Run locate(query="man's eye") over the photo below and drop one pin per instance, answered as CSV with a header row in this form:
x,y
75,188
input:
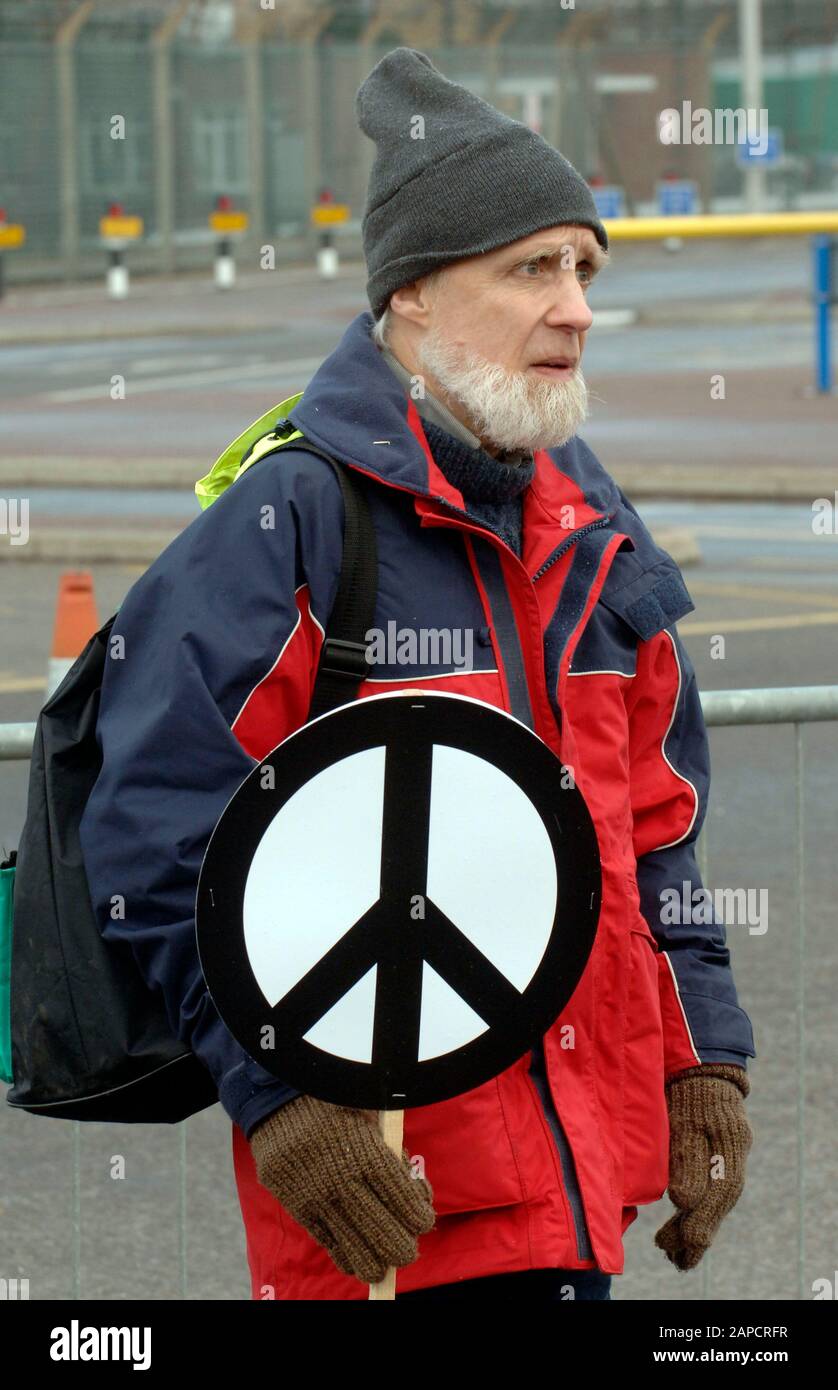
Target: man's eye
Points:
x,y
583,271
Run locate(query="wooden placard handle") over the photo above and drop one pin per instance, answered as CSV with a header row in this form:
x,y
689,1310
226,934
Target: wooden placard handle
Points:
x,y
391,1125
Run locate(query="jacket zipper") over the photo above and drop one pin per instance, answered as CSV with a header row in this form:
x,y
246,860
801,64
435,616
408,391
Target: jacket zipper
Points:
x,y
543,1094
584,1246
571,540
551,559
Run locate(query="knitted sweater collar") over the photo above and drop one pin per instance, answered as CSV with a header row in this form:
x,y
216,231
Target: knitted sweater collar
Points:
x,y
474,472
459,454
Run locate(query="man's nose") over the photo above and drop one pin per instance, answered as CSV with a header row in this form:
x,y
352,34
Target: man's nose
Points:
x,y
570,309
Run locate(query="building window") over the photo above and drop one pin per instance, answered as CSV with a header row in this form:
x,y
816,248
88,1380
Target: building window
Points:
x,y
219,152
111,167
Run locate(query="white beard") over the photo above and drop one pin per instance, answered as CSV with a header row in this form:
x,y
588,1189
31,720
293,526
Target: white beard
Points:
x,y
510,410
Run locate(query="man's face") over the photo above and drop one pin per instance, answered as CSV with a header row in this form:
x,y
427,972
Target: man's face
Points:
x,y
482,337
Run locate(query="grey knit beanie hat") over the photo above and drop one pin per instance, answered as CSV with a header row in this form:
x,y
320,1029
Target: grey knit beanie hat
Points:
x,y
462,180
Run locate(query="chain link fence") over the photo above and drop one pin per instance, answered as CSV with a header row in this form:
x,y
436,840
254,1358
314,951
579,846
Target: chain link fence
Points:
x,y
163,107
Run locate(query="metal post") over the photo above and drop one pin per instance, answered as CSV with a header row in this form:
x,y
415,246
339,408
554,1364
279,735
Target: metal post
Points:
x,y
702,861
750,54
327,256
822,248
67,134
800,881
254,103
310,76
225,266
164,158
182,1221
117,274
76,1209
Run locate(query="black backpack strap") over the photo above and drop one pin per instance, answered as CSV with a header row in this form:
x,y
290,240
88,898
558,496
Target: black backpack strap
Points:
x,y
343,655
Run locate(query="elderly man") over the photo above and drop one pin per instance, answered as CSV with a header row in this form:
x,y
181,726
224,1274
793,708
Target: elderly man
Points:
x,y
456,404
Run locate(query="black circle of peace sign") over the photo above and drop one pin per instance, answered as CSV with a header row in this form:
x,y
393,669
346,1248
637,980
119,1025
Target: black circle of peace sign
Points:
x,y
387,935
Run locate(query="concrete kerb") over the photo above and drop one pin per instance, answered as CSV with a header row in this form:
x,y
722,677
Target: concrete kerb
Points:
x,y
687,314
89,327
149,293
82,546
768,483
100,333
69,471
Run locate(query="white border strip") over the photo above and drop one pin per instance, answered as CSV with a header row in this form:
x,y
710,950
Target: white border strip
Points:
x,y
441,675
629,675
681,1007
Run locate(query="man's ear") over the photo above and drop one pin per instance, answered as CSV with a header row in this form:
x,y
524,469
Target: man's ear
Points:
x,y
412,301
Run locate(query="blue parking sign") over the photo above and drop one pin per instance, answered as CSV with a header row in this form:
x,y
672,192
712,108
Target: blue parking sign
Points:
x,y
610,201
677,197
749,151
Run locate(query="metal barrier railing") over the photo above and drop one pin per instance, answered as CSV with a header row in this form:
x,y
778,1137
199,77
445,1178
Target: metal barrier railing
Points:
x,y
821,225
797,705
16,741
790,704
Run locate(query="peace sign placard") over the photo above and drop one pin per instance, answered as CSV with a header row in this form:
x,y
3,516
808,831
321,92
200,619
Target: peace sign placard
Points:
x,y
399,901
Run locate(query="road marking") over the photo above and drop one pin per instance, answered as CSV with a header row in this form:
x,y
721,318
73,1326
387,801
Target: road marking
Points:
x,y
146,365
709,586
725,625
765,562
752,533
614,318
10,684
279,371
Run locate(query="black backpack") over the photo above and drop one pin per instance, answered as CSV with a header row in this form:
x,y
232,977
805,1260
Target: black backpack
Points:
x,y
89,1039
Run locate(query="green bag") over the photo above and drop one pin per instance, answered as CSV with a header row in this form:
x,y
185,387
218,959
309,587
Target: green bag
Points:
x,y
7,884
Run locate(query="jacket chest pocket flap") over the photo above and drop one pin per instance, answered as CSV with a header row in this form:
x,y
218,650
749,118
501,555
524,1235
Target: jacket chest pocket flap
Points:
x,y
628,613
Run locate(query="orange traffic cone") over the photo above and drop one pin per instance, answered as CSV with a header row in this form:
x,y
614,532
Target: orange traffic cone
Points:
x,y
76,621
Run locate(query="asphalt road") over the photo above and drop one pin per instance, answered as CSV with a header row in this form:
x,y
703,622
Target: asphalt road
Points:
x,y
183,396
198,364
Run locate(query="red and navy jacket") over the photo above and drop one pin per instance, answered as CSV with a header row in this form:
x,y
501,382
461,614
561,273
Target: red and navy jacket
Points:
x,y
546,1164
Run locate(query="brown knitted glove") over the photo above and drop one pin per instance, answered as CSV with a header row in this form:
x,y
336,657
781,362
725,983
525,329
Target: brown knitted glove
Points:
x,y
329,1166
706,1119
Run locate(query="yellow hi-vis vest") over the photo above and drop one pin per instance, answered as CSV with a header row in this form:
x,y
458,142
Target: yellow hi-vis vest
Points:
x,y
254,442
